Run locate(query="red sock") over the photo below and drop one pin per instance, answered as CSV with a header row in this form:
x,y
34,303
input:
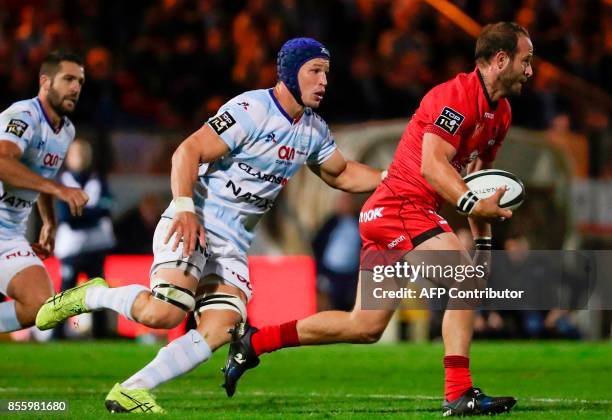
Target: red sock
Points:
x,y
457,377
275,337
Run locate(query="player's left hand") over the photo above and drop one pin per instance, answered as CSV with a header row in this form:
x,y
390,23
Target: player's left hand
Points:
x,y
46,241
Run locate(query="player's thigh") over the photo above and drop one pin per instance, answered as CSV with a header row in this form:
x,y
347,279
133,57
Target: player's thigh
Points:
x,y
30,286
446,250
443,249
220,307
445,241
22,274
174,280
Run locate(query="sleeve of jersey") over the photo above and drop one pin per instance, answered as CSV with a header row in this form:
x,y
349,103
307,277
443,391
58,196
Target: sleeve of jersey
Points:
x,y
448,120
17,128
233,124
326,148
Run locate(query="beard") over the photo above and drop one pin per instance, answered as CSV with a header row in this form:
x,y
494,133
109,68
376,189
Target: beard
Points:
x,y
56,101
512,82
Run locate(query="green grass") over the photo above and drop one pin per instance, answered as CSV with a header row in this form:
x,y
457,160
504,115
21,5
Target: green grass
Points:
x,y
552,379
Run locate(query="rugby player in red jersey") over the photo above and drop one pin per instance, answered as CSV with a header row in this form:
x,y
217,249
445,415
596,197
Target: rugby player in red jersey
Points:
x,y
459,124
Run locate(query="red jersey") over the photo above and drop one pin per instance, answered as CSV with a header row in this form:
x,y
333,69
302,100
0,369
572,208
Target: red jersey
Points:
x,y
459,111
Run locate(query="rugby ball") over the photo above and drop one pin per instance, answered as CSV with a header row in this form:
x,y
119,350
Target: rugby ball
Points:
x,y
484,184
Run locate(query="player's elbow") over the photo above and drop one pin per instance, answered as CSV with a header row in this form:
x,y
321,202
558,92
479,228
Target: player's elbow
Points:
x,y
178,154
339,183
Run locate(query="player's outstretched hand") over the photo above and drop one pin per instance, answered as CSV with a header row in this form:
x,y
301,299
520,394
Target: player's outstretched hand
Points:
x,y
188,229
489,210
40,251
76,198
46,241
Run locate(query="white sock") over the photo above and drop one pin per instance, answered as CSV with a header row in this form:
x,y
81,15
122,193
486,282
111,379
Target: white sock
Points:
x,y
8,317
179,357
119,299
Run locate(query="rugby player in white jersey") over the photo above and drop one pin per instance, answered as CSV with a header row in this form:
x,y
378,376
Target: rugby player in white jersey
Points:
x,y
34,137
225,176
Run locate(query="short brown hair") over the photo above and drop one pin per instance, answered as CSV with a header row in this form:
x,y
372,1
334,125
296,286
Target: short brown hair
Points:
x,y
50,64
500,36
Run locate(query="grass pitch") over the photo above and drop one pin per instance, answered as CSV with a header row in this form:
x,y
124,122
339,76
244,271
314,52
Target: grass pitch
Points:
x,y
551,379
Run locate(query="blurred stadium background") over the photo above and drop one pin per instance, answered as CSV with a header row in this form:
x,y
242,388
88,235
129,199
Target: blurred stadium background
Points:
x,y
156,70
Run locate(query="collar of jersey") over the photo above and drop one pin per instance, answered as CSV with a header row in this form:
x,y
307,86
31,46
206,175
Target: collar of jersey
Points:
x,y
492,105
280,108
47,118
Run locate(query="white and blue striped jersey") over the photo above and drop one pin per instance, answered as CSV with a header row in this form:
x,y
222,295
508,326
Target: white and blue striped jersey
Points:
x,y
26,124
266,148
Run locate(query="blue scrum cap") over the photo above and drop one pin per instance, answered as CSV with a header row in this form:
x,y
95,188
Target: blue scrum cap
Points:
x,y
292,56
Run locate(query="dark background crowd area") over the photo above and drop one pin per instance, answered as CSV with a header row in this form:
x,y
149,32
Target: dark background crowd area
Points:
x,y
172,63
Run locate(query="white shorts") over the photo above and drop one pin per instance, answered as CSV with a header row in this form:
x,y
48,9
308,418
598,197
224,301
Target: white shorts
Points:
x,y
15,256
220,257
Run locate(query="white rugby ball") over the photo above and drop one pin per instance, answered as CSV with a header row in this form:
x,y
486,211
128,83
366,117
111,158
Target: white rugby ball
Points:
x,y
484,184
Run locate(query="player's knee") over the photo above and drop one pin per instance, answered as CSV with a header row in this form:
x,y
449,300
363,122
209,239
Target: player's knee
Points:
x,y
217,314
32,302
368,331
370,334
167,305
39,298
161,315
216,335
29,309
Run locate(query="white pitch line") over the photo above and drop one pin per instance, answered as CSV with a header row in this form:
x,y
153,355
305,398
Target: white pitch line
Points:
x,y
309,394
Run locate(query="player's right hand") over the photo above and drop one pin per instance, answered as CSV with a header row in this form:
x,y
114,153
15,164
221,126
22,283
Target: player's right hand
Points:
x,y
76,198
188,229
489,210
40,251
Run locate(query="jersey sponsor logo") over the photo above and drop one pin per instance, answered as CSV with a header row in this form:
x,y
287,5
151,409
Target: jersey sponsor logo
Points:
x,y
271,178
249,197
21,253
245,105
286,153
449,120
16,127
18,203
222,122
396,241
52,160
491,142
368,216
271,138
473,155
489,115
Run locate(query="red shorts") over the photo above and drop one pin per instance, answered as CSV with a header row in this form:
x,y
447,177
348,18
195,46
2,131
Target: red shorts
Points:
x,y
391,223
